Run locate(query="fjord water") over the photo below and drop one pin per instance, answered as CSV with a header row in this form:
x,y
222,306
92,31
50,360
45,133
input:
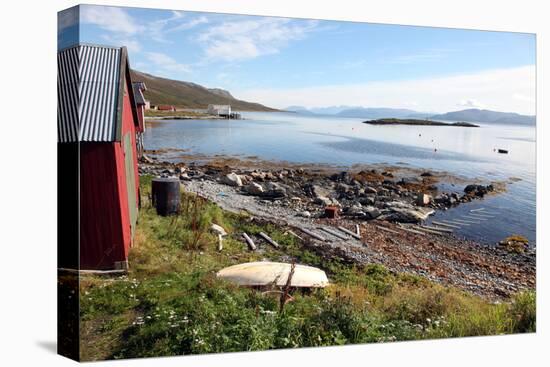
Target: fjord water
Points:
x,y
460,151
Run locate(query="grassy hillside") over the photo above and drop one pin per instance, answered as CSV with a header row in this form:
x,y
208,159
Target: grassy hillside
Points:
x,y
190,95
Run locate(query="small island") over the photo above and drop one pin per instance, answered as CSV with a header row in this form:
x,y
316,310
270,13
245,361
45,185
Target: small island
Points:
x,y
417,122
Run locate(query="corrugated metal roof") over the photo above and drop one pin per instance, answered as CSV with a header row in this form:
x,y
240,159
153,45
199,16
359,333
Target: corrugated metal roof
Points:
x,y
88,86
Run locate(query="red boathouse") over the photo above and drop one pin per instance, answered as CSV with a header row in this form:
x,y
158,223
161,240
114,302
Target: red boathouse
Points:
x,y
97,127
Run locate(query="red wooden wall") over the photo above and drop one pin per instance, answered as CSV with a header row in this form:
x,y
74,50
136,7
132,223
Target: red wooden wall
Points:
x,y
105,232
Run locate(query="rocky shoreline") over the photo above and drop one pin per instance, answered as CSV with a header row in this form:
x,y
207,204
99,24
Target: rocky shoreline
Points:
x,y
387,206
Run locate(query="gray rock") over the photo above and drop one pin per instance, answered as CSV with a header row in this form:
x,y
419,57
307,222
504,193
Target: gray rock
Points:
x,y
274,190
410,180
356,209
368,200
372,212
423,199
370,190
319,191
232,179
254,188
403,212
382,191
323,200
441,198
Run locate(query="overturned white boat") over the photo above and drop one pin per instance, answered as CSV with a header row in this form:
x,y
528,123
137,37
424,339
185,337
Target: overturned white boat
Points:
x,y
274,273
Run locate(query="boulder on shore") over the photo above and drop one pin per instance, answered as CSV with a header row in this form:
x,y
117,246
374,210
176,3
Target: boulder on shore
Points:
x,y
232,179
423,199
274,190
254,188
406,213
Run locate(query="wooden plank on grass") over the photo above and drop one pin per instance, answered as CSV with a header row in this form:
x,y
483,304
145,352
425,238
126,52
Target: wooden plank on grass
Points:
x,y
269,239
249,241
295,235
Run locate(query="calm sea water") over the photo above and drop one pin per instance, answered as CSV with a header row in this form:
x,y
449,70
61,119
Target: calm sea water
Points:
x,y
467,152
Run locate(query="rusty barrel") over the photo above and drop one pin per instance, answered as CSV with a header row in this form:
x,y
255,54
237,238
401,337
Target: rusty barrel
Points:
x,y
165,194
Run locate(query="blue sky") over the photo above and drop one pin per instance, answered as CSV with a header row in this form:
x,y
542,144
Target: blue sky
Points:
x,y
280,62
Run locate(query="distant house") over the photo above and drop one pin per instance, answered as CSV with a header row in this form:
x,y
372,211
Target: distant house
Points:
x,y
98,182
141,103
219,109
166,107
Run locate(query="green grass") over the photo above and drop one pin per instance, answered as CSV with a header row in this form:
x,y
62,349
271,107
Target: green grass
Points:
x,y
171,302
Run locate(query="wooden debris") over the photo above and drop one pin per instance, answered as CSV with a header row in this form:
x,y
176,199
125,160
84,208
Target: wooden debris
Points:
x,y
312,234
439,229
334,233
345,230
445,224
269,239
387,229
411,230
249,242
295,235
477,210
358,230
220,242
432,231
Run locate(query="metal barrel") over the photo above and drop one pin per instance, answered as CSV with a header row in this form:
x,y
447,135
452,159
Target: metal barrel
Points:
x,y
165,193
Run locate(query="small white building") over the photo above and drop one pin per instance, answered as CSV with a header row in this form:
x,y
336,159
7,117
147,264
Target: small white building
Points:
x,y
219,109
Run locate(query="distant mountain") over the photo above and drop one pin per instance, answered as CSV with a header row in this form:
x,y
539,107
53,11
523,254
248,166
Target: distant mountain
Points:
x,y
378,113
477,115
331,110
190,95
298,109
360,112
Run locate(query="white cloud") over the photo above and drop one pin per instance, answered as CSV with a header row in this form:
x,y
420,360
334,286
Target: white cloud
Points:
x,y
239,40
131,44
166,63
189,24
109,18
498,89
156,29
471,103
